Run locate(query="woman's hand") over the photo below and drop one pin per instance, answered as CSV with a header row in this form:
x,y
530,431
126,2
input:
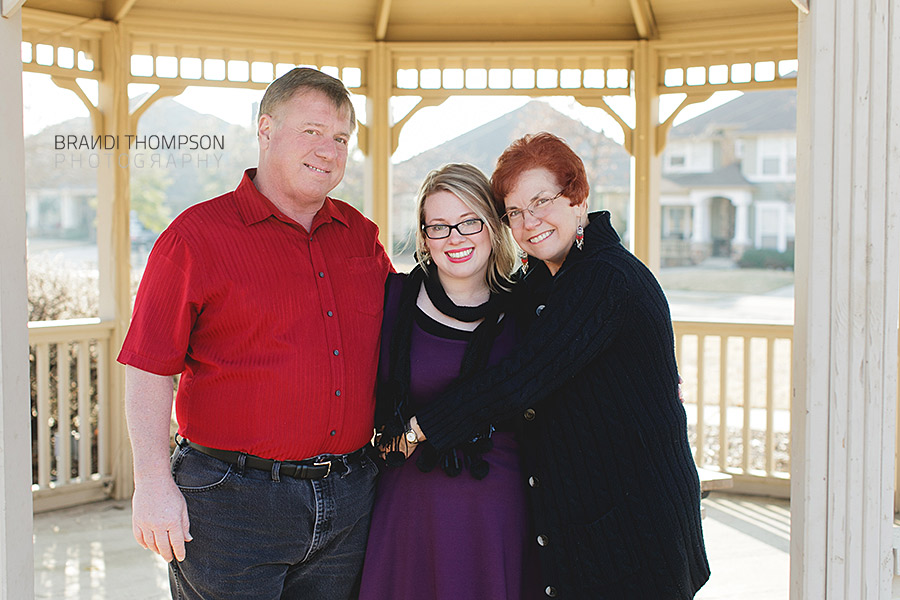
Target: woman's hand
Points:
x,y
402,443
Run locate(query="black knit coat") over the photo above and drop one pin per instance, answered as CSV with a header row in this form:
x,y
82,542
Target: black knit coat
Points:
x,y
594,386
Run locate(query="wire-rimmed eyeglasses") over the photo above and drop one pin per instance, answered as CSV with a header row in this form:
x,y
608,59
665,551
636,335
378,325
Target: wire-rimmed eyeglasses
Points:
x,y
439,231
538,209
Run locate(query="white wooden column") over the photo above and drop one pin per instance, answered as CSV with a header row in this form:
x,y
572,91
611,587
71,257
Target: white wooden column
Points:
x,y
701,217
741,220
114,247
848,249
380,79
646,160
16,556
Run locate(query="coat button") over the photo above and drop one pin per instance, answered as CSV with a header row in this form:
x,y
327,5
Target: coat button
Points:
x,y
534,482
539,310
550,591
543,540
529,414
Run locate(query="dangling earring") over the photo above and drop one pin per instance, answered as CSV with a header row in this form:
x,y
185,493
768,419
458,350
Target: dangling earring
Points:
x,y
579,235
524,258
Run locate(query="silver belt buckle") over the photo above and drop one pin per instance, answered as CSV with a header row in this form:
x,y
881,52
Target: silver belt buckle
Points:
x,y
322,464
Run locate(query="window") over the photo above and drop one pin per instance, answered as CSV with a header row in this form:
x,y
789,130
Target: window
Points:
x,y
777,158
771,165
676,222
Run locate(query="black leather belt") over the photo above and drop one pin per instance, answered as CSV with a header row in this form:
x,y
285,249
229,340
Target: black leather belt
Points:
x,y
303,469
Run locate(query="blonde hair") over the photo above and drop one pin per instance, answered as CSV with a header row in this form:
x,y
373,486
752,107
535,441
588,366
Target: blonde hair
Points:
x,y
471,186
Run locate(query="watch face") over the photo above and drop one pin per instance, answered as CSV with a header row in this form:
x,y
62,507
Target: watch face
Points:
x,y
411,437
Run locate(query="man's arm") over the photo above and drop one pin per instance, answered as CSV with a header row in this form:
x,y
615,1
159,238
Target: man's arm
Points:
x,y
160,519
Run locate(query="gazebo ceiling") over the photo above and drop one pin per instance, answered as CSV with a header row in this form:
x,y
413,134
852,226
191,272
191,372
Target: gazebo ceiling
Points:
x,y
461,20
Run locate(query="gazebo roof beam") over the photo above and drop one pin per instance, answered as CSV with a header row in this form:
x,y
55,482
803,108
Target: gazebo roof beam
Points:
x,y
644,19
383,13
115,10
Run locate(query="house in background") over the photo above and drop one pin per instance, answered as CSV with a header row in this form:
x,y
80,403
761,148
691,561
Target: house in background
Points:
x,y
728,180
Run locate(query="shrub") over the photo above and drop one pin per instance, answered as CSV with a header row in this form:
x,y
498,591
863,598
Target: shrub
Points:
x,y
756,258
56,290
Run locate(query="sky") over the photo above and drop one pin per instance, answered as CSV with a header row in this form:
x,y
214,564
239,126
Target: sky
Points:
x,y
46,105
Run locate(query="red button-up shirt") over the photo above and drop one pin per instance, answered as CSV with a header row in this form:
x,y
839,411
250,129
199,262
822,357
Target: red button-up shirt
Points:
x,y
274,329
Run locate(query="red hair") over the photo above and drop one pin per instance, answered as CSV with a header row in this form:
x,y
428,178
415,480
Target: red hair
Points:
x,y
540,150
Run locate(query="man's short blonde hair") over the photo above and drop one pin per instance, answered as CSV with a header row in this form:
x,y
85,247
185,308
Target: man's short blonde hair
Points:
x,y
303,79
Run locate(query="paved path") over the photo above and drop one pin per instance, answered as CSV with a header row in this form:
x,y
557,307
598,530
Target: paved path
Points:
x,y
775,307
88,552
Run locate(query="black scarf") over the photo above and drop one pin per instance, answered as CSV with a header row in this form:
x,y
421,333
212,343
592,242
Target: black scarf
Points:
x,y
394,394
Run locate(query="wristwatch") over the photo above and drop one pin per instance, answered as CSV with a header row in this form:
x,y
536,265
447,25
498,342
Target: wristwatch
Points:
x,y
411,437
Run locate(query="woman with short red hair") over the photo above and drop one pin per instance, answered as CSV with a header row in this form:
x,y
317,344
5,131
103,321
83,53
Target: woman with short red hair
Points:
x,y
594,387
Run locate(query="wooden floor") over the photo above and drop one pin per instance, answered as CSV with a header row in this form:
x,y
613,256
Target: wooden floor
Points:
x,y
88,552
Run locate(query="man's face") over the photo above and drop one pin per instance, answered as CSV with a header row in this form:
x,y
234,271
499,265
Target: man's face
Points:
x,y
304,147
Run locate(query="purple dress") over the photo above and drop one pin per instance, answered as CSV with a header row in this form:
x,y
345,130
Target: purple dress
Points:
x,y
450,538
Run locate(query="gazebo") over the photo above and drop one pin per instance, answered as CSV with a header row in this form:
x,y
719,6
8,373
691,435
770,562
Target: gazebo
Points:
x,y
845,344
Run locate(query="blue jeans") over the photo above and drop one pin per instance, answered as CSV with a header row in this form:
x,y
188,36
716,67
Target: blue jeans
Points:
x,y
258,535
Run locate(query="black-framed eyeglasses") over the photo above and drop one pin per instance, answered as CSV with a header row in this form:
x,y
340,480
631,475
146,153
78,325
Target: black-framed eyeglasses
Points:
x,y
440,231
538,209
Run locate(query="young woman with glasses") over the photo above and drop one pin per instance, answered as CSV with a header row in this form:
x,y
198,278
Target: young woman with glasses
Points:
x,y
593,385
451,523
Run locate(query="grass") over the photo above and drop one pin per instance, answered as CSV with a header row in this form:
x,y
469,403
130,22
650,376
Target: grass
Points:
x,y
738,281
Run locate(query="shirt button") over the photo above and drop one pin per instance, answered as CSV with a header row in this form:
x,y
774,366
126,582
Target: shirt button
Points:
x,y
334,432
534,482
539,310
529,414
550,591
543,540
337,392
336,353
330,314
321,274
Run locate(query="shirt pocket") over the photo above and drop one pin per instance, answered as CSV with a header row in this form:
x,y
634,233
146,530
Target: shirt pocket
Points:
x,y
367,275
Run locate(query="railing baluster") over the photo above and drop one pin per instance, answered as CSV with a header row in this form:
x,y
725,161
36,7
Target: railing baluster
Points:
x,y
723,402
102,406
770,405
745,431
84,411
64,428
42,371
679,342
74,340
758,462
701,407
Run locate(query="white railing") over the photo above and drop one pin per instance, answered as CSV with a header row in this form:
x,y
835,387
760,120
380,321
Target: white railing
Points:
x,y
737,388
742,406
70,363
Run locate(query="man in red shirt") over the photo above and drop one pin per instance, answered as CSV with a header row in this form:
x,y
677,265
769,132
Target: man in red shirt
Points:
x,y
267,300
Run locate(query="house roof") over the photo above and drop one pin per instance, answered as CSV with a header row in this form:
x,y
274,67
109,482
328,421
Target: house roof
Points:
x,y
728,176
771,111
